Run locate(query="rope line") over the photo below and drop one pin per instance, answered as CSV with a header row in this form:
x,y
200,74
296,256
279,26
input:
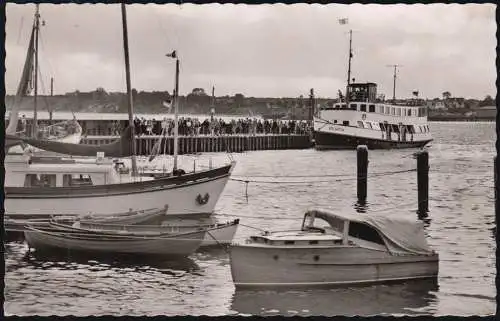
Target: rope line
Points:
x,y
319,181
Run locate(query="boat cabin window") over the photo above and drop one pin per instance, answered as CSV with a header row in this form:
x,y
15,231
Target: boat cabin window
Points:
x,y
344,106
334,121
371,108
395,128
76,180
387,110
362,107
364,232
354,106
345,123
409,112
398,111
360,124
393,111
40,180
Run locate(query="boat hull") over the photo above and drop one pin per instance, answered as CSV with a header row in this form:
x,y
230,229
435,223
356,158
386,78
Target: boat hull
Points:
x,y
327,140
69,139
178,245
221,234
188,194
275,267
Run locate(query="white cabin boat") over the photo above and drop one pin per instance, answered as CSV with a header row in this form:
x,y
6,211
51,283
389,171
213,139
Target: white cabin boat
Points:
x,y
40,187
365,120
352,249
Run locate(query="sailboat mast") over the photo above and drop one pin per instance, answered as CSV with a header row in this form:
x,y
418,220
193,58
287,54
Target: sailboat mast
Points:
x,y
35,98
129,89
176,115
349,67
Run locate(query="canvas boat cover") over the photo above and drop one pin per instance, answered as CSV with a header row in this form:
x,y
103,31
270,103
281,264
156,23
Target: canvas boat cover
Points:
x,y
401,235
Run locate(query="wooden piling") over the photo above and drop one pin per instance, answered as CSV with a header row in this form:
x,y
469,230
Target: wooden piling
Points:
x,y
423,183
362,157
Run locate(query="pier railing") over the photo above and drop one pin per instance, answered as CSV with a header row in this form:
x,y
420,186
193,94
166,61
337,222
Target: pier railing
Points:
x,y
208,143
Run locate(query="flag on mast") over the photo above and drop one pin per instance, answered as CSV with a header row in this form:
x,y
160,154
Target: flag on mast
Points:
x,y
344,21
172,55
168,104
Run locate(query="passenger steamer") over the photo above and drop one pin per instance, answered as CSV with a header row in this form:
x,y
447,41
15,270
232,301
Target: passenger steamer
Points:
x,y
364,119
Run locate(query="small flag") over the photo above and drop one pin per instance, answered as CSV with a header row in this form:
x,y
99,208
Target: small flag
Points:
x,y
343,21
168,105
172,55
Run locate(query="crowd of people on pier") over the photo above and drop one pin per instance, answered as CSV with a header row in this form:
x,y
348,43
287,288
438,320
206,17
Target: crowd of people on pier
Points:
x,y
217,126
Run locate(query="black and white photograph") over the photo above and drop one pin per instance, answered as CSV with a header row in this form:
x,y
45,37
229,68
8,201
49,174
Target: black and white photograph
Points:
x,y
185,159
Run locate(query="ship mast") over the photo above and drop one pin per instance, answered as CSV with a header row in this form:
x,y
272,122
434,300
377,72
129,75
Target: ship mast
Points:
x,y
129,89
394,82
349,67
35,95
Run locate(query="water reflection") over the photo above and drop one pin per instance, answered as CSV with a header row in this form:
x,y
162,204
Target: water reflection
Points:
x,y
361,206
364,301
42,260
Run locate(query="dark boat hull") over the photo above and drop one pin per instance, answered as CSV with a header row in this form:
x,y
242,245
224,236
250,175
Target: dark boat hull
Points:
x,y
325,141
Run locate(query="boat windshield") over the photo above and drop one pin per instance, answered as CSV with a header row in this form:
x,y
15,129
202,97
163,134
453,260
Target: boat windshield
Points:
x,y
311,222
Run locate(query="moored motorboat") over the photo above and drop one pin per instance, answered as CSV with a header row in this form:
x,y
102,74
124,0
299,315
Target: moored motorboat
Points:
x,y
351,249
38,187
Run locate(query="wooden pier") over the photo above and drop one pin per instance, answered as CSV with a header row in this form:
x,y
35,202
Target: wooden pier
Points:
x,y
202,143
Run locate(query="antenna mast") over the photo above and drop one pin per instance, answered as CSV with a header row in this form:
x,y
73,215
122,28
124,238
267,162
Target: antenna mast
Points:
x,y
394,84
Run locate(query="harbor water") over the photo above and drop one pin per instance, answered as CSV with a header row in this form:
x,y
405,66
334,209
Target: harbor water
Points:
x,y
282,185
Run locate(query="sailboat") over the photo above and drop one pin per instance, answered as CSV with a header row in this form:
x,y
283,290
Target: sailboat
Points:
x,y
40,187
68,131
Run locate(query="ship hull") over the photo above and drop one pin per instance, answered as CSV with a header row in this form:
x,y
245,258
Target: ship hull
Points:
x,y
326,141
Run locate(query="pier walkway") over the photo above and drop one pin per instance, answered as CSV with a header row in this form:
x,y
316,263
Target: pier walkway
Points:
x,y
208,143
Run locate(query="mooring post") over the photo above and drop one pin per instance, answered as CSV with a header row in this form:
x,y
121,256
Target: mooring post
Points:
x,y
362,173
423,183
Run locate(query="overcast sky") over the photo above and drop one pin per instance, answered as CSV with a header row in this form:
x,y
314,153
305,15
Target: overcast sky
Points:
x,y
260,50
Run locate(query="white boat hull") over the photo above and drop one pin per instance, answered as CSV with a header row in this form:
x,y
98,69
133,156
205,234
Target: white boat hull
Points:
x,y
181,200
265,267
221,235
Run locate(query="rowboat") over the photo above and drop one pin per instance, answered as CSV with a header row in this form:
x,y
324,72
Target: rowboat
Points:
x,y
217,234
351,249
120,242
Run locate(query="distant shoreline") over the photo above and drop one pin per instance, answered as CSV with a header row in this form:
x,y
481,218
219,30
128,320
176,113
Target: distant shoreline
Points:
x,y
461,119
